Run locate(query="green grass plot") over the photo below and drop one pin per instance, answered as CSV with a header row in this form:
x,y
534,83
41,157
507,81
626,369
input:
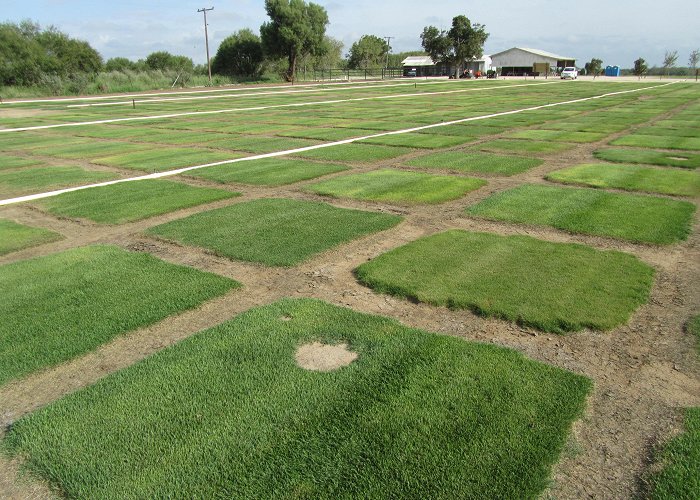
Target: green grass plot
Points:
x,y
131,201
275,232
550,286
361,153
630,178
267,171
523,146
228,413
650,157
644,219
397,186
8,162
159,159
15,236
33,180
482,163
659,142
559,135
58,307
423,141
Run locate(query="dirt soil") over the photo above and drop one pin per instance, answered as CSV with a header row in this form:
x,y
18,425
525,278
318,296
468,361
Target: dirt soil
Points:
x,y
645,372
324,357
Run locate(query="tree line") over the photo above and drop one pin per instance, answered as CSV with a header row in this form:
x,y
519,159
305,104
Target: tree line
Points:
x,y
640,68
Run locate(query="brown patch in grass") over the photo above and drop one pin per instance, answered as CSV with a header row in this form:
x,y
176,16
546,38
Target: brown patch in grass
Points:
x,y
324,357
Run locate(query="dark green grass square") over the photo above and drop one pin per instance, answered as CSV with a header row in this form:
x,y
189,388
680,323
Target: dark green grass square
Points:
x,y
15,236
227,413
423,141
483,163
550,286
160,159
363,153
630,178
59,307
275,232
648,156
267,171
32,180
523,146
644,219
131,201
397,186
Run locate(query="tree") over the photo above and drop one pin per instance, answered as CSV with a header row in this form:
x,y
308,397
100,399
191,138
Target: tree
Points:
x,y
240,54
163,60
464,41
670,59
640,67
295,28
368,52
594,67
693,60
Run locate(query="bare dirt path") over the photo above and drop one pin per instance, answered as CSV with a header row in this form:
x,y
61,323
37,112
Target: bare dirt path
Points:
x,y
644,372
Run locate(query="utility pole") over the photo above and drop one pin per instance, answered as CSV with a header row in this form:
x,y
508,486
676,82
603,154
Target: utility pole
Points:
x,y
206,38
388,42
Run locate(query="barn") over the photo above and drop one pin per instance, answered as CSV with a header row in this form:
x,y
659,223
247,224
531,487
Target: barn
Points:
x,y
520,61
424,66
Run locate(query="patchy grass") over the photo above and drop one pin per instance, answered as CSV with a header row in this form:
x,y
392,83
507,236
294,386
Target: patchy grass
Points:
x,y
325,134
267,172
260,145
630,178
92,149
364,153
483,163
662,158
8,162
32,180
423,141
131,201
658,142
644,219
15,236
522,146
550,286
160,159
559,135
275,232
397,186
693,327
228,413
58,307
680,477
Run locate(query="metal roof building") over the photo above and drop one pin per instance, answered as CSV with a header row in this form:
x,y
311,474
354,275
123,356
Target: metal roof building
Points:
x,y
520,60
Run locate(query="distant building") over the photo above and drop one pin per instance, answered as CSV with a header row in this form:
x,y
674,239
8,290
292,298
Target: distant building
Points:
x,y
424,66
520,61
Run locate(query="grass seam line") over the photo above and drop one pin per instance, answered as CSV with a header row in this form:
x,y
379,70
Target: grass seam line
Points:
x,y
179,171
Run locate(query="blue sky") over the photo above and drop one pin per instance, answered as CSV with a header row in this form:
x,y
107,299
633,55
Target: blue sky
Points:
x,y
617,31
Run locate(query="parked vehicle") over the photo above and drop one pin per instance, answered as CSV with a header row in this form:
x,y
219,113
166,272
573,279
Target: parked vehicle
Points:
x,y
411,72
569,72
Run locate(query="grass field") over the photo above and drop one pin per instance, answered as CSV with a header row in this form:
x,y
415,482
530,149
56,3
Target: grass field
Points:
x,y
275,232
523,146
481,163
630,178
131,201
10,161
156,160
659,142
228,413
397,186
549,286
559,135
15,236
58,307
662,158
267,172
643,219
30,180
363,153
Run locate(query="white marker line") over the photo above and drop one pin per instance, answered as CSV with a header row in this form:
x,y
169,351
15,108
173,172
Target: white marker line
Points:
x,y
260,108
122,96
250,94
178,171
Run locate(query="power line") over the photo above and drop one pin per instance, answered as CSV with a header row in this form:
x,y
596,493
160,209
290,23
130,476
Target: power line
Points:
x,y
388,43
206,38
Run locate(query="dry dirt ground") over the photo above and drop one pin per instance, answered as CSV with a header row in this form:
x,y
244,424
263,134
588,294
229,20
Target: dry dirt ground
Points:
x,y
645,372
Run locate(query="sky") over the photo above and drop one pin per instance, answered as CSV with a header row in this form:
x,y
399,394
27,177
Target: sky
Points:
x,y
616,31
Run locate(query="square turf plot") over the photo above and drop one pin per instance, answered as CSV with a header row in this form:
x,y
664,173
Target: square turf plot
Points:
x,y
15,236
325,133
397,186
483,163
650,157
643,219
7,162
33,180
260,145
58,307
558,135
631,178
160,159
275,232
229,413
362,153
550,286
659,142
423,141
93,149
131,201
523,146
267,171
